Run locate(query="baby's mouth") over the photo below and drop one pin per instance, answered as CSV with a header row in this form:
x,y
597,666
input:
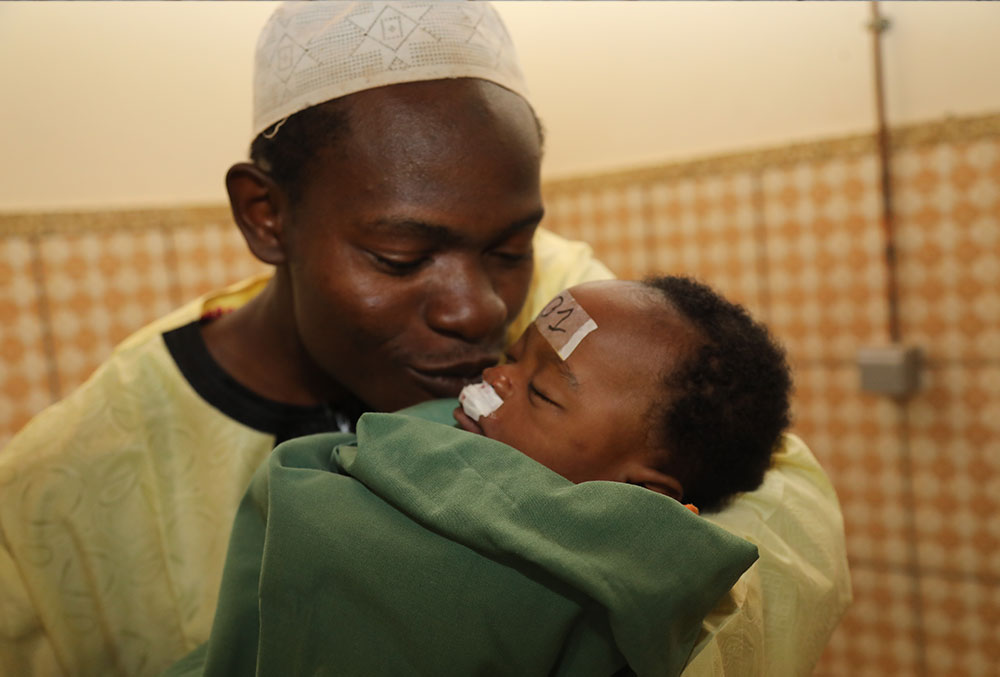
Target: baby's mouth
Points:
x,y
466,423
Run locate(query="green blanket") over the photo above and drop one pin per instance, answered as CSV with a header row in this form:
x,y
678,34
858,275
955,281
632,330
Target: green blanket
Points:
x,y
416,548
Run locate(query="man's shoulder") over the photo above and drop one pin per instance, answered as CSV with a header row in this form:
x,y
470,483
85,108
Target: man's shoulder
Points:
x,y
556,255
219,300
94,414
795,490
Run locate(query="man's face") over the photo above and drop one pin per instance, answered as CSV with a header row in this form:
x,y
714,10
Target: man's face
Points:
x,y
586,417
410,250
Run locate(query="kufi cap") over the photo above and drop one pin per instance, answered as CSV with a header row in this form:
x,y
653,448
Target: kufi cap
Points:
x,y
312,52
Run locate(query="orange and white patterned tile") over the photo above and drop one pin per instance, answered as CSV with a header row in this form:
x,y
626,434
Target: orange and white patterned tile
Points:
x,y
101,287
24,366
825,274
948,227
961,620
208,257
707,227
609,219
954,424
879,634
857,439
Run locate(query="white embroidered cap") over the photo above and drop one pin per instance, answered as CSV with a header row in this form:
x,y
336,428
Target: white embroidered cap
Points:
x,y
312,52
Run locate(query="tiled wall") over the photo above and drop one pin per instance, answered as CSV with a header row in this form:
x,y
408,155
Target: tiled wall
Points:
x,y
793,233
74,285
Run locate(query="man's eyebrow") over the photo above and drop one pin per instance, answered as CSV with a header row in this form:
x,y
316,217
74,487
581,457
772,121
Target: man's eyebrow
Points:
x,y
431,232
441,235
529,221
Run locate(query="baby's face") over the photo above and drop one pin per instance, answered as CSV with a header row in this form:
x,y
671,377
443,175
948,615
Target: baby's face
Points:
x,y
586,417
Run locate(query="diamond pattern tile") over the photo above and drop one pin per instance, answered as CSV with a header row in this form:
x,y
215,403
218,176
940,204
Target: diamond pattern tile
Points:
x,y
825,274
708,228
209,256
857,438
955,441
879,635
24,363
961,621
948,202
102,286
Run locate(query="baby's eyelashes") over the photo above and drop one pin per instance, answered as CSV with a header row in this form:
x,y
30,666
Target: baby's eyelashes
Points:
x,y
532,390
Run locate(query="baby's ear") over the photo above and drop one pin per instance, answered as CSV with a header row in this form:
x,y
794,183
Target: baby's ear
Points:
x,y
657,481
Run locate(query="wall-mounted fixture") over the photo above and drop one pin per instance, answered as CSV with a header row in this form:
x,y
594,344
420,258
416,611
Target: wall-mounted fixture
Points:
x,y
892,370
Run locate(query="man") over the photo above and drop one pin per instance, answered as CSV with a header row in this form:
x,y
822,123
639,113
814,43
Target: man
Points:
x,y
395,188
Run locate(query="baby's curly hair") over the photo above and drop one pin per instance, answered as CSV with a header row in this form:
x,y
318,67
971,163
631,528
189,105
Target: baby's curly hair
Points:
x,y
728,400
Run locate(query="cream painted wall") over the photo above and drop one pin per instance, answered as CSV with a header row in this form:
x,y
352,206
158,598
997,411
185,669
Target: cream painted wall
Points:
x,y
147,104
626,83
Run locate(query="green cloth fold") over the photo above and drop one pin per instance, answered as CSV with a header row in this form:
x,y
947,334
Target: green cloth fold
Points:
x,y
418,548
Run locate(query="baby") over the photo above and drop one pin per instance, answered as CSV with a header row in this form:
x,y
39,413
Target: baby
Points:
x,y
414,547
661,383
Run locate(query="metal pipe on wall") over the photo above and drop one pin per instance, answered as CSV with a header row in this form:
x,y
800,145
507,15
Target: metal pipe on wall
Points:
x,y
892,370
879,25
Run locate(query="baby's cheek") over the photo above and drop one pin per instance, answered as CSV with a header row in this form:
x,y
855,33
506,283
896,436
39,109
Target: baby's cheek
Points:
x,y
505,425
579,447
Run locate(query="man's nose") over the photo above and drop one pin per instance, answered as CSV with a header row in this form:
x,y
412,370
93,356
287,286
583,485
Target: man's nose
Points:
x,y
499,378
466,305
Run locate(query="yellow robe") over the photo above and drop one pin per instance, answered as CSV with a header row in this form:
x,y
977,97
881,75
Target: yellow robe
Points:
x,y
116,506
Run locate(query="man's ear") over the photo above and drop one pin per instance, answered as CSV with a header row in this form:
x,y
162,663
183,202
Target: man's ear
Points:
x,y
660,482
260,209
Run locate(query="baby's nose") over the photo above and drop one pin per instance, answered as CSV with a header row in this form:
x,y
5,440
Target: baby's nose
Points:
x,y
499,379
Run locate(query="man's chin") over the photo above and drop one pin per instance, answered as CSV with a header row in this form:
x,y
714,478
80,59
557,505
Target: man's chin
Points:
x,y
404,393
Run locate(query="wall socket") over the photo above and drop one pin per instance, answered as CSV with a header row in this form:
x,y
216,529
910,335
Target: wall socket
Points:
x,y
892,370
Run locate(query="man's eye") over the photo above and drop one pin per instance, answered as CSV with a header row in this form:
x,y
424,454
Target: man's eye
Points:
x,y
398,266
511,257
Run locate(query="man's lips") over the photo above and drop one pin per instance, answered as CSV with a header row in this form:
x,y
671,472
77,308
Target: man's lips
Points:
x,y
448,381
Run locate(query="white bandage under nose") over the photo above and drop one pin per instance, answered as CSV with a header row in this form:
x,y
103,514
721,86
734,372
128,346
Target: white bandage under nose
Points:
x,y
479,399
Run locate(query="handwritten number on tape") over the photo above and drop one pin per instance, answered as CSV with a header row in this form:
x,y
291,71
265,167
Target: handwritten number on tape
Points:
x,y
564,323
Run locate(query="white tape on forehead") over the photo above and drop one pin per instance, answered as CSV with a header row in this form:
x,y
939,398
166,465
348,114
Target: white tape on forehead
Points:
x,y
564,323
